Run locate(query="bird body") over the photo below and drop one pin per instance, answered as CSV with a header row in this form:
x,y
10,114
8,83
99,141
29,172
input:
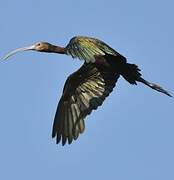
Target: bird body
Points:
x,y
88,87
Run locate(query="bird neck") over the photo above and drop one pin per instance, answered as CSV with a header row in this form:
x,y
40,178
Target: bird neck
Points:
x,y
58,49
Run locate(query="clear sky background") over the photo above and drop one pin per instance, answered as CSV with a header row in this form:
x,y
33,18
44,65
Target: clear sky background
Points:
x,y
131,137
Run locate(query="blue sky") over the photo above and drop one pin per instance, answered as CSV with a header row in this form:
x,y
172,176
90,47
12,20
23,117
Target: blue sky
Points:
x,y
131,136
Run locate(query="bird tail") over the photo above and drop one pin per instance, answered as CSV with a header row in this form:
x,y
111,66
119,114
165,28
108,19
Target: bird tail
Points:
x,y
132,74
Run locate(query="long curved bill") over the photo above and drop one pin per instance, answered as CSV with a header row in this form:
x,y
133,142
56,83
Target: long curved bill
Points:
x,y
18,50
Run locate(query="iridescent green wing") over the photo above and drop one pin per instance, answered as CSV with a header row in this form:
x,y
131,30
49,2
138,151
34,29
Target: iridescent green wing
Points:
x,y
84,91
87,49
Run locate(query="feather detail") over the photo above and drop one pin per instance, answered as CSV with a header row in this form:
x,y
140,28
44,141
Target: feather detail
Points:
x,y
87,48
84,91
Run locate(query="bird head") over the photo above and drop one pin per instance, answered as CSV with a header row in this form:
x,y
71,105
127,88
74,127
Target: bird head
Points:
x,y
39,46
42,47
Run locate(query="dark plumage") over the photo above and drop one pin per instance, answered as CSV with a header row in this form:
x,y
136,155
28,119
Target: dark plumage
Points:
x,y
87,88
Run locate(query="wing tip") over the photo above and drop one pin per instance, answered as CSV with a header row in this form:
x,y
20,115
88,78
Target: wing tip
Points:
x,y
60,138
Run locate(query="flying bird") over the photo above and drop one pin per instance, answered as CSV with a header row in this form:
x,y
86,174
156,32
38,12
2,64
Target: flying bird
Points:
x,y
87,88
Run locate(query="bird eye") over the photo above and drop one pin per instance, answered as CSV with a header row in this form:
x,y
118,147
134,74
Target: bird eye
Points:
x,y
39,44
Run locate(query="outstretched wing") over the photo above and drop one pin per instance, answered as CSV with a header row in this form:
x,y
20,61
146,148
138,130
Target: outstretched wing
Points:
x,y
84,90
86,48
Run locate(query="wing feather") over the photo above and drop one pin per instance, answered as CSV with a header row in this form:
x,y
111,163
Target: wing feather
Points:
x,y
88,48
70,124
84,91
